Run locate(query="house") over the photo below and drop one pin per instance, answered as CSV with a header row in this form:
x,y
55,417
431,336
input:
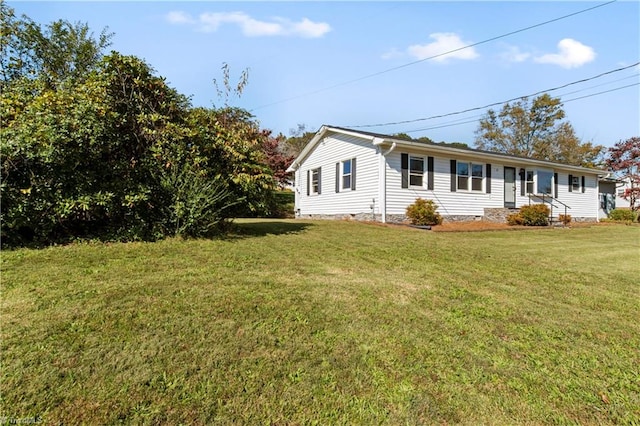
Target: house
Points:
x,y
344,173
607,195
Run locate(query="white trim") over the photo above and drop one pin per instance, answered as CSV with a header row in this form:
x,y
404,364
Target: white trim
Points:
x,y
382,180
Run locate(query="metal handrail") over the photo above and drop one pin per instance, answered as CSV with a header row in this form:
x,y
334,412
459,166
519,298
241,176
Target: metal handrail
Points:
x,y
542,196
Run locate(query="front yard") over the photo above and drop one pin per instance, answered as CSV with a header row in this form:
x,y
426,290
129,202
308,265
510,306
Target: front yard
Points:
x,y
298,322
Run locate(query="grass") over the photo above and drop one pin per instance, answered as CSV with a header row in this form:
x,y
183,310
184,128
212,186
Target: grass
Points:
x,y
294,322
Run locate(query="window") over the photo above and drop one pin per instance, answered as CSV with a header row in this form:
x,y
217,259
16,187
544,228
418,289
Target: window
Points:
x,y
346,174
416,170
575,183
545,182
463,176
470,176
529,181
476,177
313,187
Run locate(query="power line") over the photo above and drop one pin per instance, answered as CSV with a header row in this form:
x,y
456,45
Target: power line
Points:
x,y
473,118
458,122
600,85
432,57
600,93
495,103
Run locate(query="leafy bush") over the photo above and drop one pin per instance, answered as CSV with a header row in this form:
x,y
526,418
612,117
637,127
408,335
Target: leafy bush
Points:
x,y
197,205
91,160
533,215
423,212
623,215
565,219
284,204
515,219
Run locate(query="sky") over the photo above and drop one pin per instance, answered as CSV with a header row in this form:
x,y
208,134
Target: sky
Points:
x,y
353,64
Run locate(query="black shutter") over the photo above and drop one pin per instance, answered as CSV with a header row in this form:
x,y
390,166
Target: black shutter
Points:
x,y
353,174
430,173
338,177
319,180
453,173
488,179
523,183
404,165
582,183
308,182
555,185
570,183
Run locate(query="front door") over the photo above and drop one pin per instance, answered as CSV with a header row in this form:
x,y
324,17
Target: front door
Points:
x,y
510,187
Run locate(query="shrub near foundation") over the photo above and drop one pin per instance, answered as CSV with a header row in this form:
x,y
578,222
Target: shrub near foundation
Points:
x,y
423,212
564,218
623,215
533,215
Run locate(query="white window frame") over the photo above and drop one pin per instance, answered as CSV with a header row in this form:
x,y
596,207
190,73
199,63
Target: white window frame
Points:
x,y
470,178
315,181
577,185
343,175
413,173
532,181
537,186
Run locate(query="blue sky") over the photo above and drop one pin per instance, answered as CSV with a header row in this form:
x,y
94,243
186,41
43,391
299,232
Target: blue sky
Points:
x,y
308,61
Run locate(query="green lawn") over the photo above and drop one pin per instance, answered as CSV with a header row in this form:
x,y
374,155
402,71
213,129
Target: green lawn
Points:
x,y
319,322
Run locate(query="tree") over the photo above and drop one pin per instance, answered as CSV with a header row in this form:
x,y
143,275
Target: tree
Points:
x,y
624,160
60,52
95,146
403,136
123,156
17,38
276,159
298,139
535,129
568,149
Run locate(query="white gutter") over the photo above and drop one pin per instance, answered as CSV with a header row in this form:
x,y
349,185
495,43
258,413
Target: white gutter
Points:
x,y
382,182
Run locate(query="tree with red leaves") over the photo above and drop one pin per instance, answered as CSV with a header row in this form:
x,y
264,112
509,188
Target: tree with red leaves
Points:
x,y
276,159
624,161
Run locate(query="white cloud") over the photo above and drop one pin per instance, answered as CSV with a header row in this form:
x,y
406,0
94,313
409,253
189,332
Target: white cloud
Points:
x,y
310,29
444,42
514,54
178,17
571,54
392,54
250,27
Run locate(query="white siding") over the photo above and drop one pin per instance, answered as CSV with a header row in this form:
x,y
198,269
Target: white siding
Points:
x,y
583,204
336,147
332,149
472,203
464,203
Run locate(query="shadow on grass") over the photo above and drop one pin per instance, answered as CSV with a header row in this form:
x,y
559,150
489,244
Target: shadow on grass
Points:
x,y
267,227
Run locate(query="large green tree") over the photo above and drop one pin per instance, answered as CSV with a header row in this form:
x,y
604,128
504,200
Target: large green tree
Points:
x,y
100,146
59,52
535,129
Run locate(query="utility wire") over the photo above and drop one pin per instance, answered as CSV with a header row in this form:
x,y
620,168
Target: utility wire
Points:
x,y
457,123
495,103
432,57
600,93
473,118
